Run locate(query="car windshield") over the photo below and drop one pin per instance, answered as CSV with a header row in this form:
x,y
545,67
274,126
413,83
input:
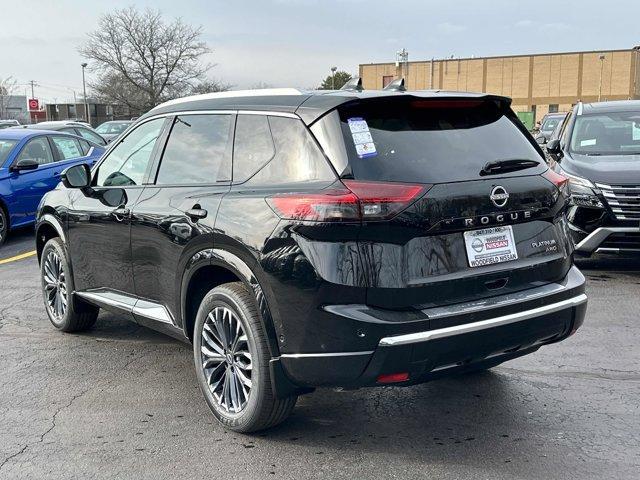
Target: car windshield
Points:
x,y
5,149
112,127
551,123
615,133
429,140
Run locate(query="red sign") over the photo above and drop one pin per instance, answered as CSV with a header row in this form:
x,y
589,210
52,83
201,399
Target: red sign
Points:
x,y
34,104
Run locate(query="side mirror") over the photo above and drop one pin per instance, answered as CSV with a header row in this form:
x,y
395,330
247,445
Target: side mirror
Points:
x,y
541,140
77,176
25,164
553,147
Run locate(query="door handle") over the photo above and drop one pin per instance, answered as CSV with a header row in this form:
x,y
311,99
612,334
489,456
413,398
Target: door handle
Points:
x,y
196,213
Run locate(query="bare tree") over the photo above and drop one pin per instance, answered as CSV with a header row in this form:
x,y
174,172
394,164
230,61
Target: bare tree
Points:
x,y
141,60
210,86
7,88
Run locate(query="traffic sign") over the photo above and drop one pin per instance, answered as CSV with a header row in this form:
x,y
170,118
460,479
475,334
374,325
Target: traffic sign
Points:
x,y
34,105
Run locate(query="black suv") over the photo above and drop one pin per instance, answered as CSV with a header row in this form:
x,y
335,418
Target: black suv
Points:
x,y
598,150
307,239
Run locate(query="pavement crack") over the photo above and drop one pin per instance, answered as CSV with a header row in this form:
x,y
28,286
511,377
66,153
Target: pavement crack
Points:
x,y
47,431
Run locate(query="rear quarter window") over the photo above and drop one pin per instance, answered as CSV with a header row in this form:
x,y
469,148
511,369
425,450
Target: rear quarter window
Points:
x,y
288,150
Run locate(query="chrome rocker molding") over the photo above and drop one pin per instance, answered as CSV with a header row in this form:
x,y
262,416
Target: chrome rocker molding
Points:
x,y
110,299
483,324
592,241
324,355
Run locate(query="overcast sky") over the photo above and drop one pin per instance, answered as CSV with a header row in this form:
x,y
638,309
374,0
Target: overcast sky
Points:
x,y
295,42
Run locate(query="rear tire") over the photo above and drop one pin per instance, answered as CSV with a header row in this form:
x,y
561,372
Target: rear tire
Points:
x,y
231,356
64,312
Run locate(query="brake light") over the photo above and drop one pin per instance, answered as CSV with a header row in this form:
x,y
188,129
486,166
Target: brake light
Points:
x,y
354,201
558,180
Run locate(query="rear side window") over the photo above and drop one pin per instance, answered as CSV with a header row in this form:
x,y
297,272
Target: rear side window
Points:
x,y
67,147
198,151
424,140
89,135
297,157
253,146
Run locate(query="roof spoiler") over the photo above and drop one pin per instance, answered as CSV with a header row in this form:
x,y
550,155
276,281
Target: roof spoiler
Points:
x,y
397,85
353,85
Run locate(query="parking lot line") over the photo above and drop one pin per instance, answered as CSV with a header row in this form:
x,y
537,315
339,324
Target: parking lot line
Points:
x,y
17,257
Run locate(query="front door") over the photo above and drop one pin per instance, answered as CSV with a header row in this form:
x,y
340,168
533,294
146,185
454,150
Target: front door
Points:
x,y
99,220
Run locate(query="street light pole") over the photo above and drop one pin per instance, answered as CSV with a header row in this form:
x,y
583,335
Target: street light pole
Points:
x,y
333,77
84,89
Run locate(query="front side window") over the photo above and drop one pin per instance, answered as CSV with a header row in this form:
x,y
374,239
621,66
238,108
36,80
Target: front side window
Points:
x,y
198,151
616,133
67,147
127,163
37,149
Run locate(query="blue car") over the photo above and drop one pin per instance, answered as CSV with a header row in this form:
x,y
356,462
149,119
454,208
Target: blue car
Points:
x,y
31,162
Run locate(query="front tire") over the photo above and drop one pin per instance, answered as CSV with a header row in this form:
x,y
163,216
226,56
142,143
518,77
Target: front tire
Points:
x,y
231,357
4,225
57,289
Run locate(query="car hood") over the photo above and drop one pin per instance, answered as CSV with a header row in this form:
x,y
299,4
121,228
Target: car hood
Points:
x,y
609,169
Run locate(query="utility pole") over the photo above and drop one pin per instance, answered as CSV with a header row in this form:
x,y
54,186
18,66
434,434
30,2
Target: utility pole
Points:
x,y
33,84
84,89
333,77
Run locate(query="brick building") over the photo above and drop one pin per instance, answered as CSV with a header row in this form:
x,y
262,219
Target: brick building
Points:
x,y
537,83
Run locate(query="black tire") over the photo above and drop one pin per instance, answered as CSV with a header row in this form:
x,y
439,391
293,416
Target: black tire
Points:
x,y
4,225
262,409
76,315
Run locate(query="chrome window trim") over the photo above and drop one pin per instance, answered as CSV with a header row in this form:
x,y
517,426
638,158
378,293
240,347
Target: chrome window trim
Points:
x,y
482,324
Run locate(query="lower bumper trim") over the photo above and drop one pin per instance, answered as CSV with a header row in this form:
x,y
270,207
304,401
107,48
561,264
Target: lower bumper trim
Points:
x,y
483,324
592,241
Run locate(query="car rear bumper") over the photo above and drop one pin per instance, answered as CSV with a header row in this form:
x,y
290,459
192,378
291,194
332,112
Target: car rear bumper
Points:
x,y
460,337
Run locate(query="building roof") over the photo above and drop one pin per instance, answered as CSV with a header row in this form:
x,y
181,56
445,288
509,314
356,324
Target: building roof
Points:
x,y
309,105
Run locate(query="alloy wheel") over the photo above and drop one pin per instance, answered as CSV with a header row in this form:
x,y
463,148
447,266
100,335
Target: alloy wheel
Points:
x,y
226,360
55,287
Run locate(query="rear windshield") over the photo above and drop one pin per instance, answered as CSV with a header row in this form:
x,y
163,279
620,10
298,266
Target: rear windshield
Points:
x,y
551,123
426,141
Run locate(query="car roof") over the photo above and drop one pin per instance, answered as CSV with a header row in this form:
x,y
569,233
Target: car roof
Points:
x,y
20,133
309,105
610,107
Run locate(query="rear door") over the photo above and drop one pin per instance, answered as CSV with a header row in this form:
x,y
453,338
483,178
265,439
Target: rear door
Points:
x,y
476,231
175,215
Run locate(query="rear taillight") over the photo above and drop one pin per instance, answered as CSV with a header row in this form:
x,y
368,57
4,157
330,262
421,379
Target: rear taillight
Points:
x,y
558,180
354,201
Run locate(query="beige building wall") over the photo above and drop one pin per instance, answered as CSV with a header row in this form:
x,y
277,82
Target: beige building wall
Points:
x,y
532,81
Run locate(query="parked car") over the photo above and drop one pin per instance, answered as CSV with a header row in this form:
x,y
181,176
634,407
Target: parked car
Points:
x,y
113,129
31,162
303,240
547,125
9,123
76,128
598,149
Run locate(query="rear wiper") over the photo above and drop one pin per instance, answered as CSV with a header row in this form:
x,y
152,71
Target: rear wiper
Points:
x,y
510,165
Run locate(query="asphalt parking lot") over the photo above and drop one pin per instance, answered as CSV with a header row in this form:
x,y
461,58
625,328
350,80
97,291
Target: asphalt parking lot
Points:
x,y
122,401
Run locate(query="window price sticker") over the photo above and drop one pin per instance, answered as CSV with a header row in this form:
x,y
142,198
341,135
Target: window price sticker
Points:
x,y
362,137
